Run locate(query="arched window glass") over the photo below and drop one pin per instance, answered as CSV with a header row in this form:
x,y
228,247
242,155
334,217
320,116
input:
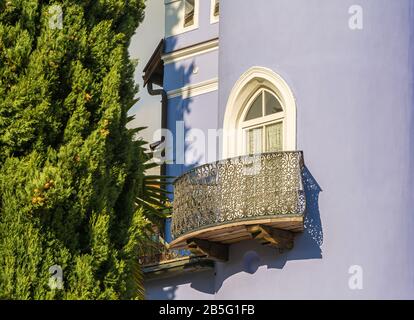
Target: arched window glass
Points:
x,y
256,109
262,123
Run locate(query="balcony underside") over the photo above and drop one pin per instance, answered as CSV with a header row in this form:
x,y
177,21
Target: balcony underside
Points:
x,y
238,231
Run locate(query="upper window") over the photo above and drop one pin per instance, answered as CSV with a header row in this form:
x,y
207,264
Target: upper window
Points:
x,y
181,16
262,123
215,11
189,11
216,8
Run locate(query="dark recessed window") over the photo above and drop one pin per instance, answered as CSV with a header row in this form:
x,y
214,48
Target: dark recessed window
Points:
x,y
216,12
189,10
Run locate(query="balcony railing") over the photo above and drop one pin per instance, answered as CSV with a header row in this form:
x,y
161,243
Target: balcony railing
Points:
x,y
237,190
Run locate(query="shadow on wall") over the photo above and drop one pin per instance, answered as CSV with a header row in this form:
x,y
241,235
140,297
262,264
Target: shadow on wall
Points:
x,y
159,292
179,75
308,244
192,154
248,256
176,75
177,109
166,289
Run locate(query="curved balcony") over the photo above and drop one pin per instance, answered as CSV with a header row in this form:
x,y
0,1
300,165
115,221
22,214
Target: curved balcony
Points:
x,y
250,197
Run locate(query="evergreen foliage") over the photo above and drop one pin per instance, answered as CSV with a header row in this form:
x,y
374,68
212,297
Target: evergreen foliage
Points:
x,y
70,171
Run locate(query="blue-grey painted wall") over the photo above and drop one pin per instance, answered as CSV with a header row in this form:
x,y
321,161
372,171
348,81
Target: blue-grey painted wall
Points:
x,y
355,124
191,71
354,92
189,286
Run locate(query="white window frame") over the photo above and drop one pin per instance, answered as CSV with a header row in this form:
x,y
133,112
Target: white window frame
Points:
x,y
260,122
213,19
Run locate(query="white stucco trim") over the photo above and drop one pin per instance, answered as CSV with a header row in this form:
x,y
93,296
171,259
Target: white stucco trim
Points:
x,y
194,89
190,52
248,83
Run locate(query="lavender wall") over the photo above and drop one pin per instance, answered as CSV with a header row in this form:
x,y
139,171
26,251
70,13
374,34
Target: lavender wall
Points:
x,y
355,124
354,92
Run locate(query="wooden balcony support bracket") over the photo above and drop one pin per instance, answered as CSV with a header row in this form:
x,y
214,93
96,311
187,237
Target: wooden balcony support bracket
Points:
x,y
214,250
277,238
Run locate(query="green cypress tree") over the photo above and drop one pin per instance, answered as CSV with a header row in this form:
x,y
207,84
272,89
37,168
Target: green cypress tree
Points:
x,y
70,171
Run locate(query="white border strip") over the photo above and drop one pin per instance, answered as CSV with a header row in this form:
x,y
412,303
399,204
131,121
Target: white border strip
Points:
x,y
195,89
186,53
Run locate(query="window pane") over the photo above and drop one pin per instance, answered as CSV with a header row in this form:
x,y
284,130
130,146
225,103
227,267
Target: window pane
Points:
x,y
255,110
274,137
189,13
272,104
254,141
217,8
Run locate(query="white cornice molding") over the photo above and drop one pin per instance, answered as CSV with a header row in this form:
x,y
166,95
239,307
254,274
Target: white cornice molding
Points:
x,y
194,89
192,51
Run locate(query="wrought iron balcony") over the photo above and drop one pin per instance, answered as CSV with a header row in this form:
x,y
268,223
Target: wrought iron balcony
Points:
x,y
259,197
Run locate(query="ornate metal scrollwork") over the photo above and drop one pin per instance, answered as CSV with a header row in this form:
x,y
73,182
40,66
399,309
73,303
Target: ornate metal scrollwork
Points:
x,y
236,189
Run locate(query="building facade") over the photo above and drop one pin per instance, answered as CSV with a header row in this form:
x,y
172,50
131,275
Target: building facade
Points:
x,y
313,102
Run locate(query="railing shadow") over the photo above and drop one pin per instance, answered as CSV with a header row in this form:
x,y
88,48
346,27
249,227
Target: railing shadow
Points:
x,y
248,256
310,242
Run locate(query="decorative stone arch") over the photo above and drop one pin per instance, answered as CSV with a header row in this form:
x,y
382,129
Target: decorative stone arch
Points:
x,y
252,80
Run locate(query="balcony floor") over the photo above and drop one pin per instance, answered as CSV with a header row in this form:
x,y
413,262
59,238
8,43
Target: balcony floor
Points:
x,y
237,231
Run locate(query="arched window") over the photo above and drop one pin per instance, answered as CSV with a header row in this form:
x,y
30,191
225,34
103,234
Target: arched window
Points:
x,y
262,123
260,115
